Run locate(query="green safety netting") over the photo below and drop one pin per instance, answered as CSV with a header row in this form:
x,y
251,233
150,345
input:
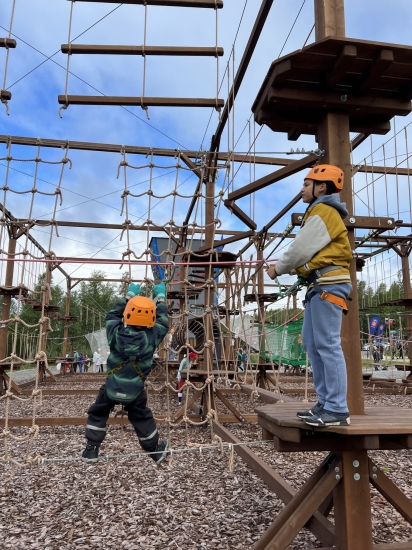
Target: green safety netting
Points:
x,y
293,353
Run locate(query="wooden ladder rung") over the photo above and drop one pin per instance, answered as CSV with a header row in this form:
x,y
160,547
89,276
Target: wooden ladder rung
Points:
x,y
7,43
173,3
138,101
141,50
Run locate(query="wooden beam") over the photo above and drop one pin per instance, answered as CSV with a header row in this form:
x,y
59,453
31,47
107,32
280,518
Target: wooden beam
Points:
x,y
172,3
390,491
342,64
392,170
332,101
140,50
241,71
379,66
240,236
137,150
7,43
357,140
358,222
285,172
301,508
139,101
191,165
238,212
265,395
280,215
318,524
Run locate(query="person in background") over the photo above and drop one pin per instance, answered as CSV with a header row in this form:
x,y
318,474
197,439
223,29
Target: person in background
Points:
x,y
184,365
86,363
135,326
75,360
81,361
96,360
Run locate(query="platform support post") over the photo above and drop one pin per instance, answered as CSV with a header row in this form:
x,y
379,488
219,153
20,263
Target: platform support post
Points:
x,y
352,503
352,499
407,293
333,138
7,298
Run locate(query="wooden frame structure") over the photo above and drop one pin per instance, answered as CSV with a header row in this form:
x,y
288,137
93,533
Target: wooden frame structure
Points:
x,y
336,104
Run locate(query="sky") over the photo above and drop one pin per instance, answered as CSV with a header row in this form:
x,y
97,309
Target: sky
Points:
x,y
91,191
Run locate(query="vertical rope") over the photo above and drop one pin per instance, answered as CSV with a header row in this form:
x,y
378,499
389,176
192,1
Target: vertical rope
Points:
x,y
396,166
143,106
217,59
409,177
69,53
6,63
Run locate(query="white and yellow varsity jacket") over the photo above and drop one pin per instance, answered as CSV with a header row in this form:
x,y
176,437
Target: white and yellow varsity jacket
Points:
x,y
322,241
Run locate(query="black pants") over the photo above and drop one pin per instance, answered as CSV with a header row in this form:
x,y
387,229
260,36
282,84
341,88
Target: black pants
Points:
x,y
138,413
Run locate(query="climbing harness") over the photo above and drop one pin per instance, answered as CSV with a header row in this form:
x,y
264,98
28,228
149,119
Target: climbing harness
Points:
x,y
312,279
134,365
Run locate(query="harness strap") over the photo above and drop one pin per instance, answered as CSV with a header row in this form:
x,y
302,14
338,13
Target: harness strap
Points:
x,y
328,296
324,295
134,365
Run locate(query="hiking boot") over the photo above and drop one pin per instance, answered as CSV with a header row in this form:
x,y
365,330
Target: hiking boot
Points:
x,y
90,454
328,418
314,411
160,452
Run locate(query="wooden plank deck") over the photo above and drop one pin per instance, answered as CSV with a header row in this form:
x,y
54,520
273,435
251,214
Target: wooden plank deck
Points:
x,y
380,428
376,420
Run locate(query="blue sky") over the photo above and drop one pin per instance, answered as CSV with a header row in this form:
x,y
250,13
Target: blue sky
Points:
x,y
91,191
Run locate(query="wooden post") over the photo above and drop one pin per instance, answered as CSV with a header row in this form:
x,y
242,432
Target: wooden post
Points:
x,y
261,316
352,499
66,321
228,339
407,293
7,299
209,271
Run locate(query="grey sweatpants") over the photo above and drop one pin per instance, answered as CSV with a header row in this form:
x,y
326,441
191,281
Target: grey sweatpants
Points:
x,y
138,413
321,338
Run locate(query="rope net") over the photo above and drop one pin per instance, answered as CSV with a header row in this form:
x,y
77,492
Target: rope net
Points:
x,y
208,314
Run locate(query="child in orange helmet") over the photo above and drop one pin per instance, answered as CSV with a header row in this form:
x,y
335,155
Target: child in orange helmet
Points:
x,y
135,327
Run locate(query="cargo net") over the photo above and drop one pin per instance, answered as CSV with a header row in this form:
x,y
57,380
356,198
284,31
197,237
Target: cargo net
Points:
x,y
284,344
98,342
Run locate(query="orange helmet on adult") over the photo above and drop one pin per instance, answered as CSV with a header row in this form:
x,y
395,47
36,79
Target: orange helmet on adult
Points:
x,y
327,172
140,311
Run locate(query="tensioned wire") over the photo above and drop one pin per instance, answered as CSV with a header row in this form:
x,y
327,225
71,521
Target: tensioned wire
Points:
x,y
198,449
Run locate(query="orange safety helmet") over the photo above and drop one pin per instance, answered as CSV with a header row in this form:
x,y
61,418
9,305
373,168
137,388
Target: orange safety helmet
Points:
x,y
140,311
327,172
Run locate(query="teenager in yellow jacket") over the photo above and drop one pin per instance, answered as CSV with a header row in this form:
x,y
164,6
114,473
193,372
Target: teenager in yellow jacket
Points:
x,y
321,253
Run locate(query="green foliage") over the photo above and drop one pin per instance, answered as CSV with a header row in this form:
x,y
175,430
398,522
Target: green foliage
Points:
x,y
279,316
89,304
370,303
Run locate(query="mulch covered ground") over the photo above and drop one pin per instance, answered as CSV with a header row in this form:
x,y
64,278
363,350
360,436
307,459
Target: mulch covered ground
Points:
x,y
193,502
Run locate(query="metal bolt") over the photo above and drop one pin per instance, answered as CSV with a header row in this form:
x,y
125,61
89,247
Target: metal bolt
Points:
x,y
337,476
374,476
356,477
352,220
300,218
389,222
356,463
374,468
343,97
336,469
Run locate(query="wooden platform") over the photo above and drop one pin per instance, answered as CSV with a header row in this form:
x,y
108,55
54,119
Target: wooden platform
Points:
x,y
369,81
384,428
